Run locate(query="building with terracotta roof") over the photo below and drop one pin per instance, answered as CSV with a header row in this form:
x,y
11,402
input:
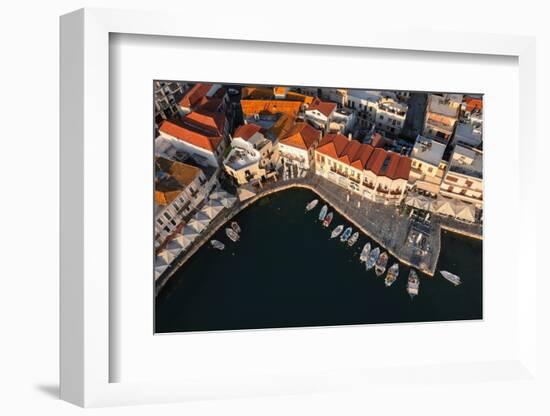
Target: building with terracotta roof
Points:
x,y
320,113
211,96
206,122
179,188
374,173
203,146
252,154
269,108
442,113
297,146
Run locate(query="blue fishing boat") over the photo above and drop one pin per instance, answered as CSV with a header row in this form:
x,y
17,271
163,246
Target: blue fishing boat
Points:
x,y
346,235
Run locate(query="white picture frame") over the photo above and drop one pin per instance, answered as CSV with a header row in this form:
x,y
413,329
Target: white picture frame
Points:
x,y
85,220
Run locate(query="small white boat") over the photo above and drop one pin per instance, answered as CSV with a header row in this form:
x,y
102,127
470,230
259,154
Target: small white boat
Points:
x,y
328,219
337,231
346,235
312,204
381,263
323,213
373,257
353,239
365,253
392,274
453,278
217,244
233,236
235,227
413,284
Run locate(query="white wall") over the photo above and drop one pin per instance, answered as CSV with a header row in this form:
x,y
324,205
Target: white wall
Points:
x,y
29,359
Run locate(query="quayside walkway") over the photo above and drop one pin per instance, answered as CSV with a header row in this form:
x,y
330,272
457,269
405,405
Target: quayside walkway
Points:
x,y
387,225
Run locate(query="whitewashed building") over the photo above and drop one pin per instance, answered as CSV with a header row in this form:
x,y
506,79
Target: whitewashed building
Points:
x,y
320,113
464,177
297,147
206,148
428,166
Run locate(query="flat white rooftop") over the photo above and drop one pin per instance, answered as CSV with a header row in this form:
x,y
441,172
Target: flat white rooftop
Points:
x,y
428,150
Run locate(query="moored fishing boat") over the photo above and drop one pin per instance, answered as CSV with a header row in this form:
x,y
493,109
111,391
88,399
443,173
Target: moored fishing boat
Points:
x,y
323,212
235,227
353,239
373,257
392,274
381,263
328,219
217,244
365,253
233,236
346,234
453,278
413,284
312,204
336,232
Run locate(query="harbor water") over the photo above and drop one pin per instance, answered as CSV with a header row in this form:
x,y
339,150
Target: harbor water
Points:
x,y
286,272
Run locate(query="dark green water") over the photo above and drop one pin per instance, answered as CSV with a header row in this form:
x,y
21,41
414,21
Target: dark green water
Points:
x,y
286,272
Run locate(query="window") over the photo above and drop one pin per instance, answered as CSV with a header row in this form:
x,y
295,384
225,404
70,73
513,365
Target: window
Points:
x,y
452,178
430,170
168,217
381,117
469,183
450,188
159,220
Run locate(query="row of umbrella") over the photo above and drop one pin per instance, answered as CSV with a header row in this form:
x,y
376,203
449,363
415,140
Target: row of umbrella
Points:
x,y
182,240
442,206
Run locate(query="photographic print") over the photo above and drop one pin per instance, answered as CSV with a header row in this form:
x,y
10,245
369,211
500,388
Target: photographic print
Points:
x,y
301,206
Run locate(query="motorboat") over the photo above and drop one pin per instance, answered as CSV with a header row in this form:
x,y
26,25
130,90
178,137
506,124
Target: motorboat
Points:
x,y
217,244
344,237
373,257
323,213
381,263
312,204
233,236
336,232
453,278
328,219
413,284
353,239
235,227
392,274
365,253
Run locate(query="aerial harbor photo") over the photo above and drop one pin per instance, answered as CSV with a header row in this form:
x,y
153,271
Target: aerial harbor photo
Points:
x,y
299,206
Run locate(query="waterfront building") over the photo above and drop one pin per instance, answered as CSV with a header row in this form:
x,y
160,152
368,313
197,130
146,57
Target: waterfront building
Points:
x,y
320,113
209,97
179,189
428,166
374,173
166,97
442,113
252,154
296,148
463,180
205,147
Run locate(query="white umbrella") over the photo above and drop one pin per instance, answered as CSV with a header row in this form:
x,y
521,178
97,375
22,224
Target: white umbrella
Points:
x,y
189,233
466,213
203,216
446,209
197,224
179,241
436,204
162,261
212,208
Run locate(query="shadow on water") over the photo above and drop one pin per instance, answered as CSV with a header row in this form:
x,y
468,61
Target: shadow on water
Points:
x,y
287,272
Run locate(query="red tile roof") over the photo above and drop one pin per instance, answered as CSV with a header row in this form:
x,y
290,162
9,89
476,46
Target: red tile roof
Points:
x,y
323,107
207,122
365,157
195,94
302,135
473,103
187,135
246,131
